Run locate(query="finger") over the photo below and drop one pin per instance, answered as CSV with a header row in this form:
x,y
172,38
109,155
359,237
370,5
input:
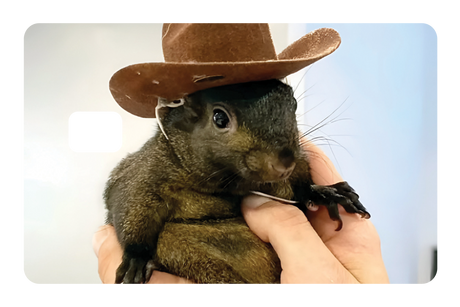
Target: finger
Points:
x,y
108,252
324,225
99,237
261,212
254,201
166,278
304,257
265,216
312,207
323,171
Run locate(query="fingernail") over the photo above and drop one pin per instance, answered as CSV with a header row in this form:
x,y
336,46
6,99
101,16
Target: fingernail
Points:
x,y
254,201
311,206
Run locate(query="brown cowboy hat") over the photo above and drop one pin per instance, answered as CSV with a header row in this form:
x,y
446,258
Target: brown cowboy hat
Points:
x,y
201,56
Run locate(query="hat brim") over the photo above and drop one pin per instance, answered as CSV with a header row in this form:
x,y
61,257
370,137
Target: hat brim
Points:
x,y
137,87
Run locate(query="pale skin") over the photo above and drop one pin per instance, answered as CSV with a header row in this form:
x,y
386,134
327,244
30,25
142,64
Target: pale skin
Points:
x,y
310,249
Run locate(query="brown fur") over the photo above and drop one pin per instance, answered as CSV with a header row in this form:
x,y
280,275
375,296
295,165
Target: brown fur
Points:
x,y
175,203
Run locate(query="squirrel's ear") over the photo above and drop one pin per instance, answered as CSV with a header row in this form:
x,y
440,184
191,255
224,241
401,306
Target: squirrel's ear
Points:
x,y
189,116
165,104
191,112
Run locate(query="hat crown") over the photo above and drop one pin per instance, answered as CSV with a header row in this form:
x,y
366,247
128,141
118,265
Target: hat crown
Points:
x,y
214,43
201,56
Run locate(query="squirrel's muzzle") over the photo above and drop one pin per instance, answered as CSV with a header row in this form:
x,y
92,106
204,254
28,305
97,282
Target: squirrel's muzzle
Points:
x,y
279,171
271,167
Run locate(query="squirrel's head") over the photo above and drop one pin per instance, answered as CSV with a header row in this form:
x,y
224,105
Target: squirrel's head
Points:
x,y
238,134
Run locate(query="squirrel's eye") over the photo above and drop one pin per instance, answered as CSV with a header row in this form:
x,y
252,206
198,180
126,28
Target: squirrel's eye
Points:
x,y
221,119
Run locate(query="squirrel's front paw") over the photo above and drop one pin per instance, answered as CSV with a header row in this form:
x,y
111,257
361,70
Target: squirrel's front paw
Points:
x,y
340,193
135,269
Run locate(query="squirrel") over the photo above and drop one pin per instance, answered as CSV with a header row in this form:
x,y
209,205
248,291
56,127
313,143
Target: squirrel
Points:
x,y
175,203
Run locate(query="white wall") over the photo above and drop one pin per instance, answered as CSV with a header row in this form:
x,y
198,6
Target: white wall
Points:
x,y
67,69
388,73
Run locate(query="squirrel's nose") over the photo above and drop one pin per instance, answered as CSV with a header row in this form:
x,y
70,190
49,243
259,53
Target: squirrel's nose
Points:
x,y
279,171
286,157
282,167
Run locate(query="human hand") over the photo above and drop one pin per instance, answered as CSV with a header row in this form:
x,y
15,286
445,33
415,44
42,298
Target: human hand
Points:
x,y
310,249
109,254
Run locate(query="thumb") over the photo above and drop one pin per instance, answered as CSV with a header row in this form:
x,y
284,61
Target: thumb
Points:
x,y
108,252
273,221
99,237
254,214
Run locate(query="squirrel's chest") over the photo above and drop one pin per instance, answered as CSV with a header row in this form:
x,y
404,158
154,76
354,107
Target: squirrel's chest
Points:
x,y
190,204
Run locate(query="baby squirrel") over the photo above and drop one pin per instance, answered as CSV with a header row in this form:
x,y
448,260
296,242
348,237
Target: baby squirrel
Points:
x,y
175,203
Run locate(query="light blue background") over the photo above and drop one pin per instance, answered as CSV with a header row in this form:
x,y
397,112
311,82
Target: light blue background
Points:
x,y
384,74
